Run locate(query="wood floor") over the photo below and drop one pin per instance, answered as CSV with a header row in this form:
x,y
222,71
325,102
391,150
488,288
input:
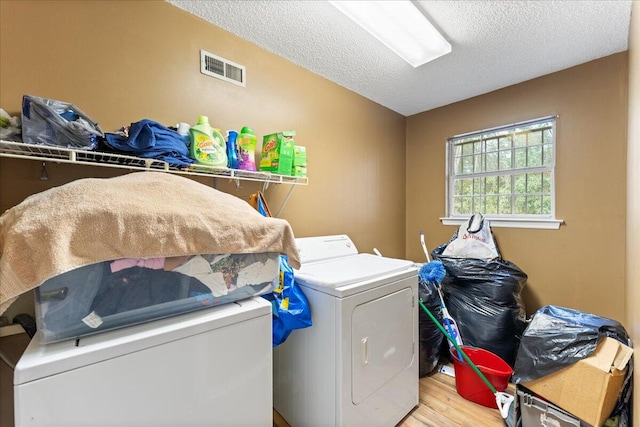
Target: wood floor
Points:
x,y
441,406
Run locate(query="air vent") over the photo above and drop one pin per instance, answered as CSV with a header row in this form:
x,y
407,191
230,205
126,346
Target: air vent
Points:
x,y
220,68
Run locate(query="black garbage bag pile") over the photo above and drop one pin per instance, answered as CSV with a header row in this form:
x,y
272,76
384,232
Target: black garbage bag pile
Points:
x,y
558,337
484,298
431,339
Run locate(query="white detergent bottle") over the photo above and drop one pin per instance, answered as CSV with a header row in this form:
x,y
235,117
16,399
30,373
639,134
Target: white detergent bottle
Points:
x,y
183,130
207,144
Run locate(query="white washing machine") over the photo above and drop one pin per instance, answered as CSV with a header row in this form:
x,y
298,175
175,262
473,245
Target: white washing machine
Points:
x,y
358,364
205,368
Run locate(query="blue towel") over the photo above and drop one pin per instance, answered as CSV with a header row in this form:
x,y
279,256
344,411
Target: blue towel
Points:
x,y
150,139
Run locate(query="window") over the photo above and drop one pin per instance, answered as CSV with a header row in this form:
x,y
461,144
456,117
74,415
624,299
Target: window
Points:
x,y
505,173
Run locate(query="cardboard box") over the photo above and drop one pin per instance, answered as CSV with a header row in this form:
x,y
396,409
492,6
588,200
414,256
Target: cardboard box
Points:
x,y
589,388
299,171
277,152
299,155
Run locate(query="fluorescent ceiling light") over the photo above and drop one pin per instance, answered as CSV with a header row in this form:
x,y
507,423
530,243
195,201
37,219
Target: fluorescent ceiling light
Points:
x,y
400,26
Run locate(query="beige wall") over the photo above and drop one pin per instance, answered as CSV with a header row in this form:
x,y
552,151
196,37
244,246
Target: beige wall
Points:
x,y
581,265
633,194
122,61
141,60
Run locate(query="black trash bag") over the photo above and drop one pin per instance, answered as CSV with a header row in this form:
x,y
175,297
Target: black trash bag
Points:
x,y
484,298
557,336
430,337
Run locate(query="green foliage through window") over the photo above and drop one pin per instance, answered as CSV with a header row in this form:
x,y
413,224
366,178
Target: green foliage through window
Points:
x,y
506,171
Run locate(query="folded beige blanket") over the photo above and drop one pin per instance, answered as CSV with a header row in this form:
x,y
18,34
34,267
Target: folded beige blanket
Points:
x,y
138,215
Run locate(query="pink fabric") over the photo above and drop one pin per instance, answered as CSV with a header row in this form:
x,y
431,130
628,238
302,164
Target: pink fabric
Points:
x,y
121,264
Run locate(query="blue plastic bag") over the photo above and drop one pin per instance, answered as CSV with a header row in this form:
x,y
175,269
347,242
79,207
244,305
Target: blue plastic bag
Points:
x,y
289,306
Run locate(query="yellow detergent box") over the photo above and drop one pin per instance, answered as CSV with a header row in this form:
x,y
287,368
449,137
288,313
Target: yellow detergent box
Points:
x,y
277,152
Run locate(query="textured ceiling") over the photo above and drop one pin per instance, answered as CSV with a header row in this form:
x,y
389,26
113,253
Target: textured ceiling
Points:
x,y
494,44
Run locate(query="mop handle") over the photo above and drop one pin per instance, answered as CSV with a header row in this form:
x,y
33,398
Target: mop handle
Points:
x,y
447,317
424,247
450,338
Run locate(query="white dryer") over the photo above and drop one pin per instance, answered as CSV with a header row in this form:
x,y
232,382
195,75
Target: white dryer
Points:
x,y
358,364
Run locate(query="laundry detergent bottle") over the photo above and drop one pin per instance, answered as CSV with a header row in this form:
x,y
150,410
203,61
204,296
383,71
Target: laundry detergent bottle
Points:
x,y
232,151
207,144
246,144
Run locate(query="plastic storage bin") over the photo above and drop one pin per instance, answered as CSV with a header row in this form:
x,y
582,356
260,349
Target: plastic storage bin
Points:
x,y
119,293
535,412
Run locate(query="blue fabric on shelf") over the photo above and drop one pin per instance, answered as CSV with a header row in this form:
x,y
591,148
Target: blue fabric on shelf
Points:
x,y
150,139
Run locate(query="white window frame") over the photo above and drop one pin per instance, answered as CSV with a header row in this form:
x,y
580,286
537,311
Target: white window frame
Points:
x,y
545,221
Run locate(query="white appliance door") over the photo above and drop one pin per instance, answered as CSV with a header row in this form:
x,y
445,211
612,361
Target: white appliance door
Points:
x,y
382,342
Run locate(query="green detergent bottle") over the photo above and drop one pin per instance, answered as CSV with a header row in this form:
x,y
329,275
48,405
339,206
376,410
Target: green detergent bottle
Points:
x,y
246,144
207,144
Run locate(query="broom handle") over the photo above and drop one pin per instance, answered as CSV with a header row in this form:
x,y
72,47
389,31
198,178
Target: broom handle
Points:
x,y
452,341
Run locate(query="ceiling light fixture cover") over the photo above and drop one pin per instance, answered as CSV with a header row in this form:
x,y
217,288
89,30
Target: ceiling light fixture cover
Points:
x,y
400,26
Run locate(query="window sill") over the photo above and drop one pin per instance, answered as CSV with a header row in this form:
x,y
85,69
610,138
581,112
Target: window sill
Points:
x,y
545,224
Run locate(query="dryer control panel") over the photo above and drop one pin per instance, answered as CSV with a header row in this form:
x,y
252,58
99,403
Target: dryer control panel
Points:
x,y
312,249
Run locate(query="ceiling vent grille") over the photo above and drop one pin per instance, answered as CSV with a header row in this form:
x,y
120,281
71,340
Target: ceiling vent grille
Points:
x,y
220,68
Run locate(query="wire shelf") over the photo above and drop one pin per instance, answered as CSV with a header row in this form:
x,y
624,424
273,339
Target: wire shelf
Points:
x,y
48,153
